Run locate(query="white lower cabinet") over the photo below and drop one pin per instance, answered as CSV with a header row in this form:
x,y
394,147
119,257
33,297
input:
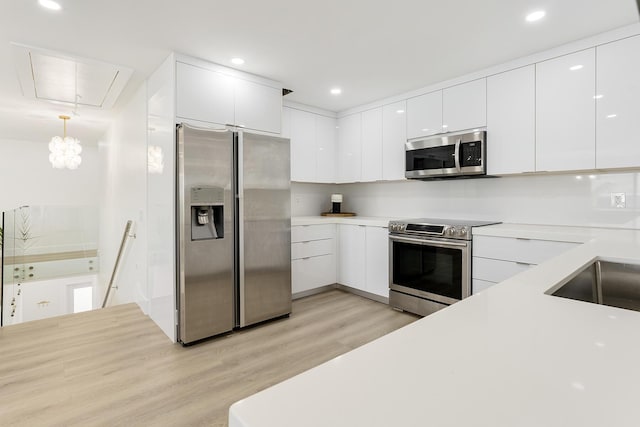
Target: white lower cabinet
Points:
x,y
377,261
313,259
363,258
498,258
351,255
312,272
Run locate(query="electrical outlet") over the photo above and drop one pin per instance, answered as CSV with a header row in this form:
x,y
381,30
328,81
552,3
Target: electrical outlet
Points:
x,y
618,200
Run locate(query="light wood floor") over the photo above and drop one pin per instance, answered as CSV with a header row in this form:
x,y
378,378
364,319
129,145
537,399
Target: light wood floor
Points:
x,y
115,367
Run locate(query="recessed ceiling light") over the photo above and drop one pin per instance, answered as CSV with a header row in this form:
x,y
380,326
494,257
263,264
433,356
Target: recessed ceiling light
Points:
x,y
535,16
445,126
399,111
336,91
425,130
50,4
576,67
598,96
237,61
611,116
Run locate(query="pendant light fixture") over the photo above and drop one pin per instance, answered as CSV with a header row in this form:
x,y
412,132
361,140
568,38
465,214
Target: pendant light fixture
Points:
x,y
65,151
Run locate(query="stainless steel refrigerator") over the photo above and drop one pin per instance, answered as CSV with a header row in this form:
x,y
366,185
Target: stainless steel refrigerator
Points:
x,y
233,230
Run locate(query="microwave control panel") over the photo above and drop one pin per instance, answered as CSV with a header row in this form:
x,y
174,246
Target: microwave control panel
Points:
x,y
471,154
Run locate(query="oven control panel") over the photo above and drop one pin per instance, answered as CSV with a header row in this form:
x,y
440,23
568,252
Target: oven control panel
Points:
x,y
462,232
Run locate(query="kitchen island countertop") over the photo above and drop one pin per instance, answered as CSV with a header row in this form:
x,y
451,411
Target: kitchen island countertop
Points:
x,y
508,356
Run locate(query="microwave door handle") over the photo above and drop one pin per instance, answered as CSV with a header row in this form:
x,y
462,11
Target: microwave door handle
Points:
x,y
456,154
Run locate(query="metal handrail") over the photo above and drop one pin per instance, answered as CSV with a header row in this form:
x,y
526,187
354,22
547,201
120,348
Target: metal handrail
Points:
x,y
125,236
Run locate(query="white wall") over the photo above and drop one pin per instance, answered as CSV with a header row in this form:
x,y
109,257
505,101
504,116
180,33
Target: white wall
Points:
x,y
27,178
161,199
311,199
123,156
539,199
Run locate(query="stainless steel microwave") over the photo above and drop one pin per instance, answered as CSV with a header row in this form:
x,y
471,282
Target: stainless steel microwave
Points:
x,y
447,156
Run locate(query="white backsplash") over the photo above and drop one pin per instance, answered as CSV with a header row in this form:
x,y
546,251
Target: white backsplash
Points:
x,y
580,200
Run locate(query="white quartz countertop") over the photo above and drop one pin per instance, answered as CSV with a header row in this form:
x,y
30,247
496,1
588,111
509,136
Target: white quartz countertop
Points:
x,y
374,221
508,356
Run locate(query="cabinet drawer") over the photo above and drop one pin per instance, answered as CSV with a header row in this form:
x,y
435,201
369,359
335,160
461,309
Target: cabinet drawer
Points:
x,y
312,248
314,272
520,250
494,270
303,233
478,285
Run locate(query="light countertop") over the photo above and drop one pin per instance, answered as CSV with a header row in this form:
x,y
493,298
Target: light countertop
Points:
x,y
374,221
508,356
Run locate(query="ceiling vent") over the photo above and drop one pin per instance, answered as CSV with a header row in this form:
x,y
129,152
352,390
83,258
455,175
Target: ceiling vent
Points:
x,y
62,78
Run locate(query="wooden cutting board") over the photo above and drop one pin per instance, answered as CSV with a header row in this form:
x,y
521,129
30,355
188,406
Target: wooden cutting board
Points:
x,y
341,214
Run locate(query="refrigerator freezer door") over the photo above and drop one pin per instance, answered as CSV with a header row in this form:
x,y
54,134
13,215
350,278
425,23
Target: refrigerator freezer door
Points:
x,y
264,204
205,233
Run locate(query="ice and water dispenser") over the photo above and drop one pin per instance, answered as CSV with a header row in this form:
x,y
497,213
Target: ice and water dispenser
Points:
x,y
207,213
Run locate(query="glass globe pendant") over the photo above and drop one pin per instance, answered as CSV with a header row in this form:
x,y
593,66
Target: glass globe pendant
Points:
x,y
65,151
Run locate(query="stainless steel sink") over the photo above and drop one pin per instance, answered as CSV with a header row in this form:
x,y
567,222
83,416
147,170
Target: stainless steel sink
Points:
x,y
615,284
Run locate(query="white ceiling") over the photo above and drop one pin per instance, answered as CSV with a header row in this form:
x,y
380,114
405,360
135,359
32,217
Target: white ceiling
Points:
x,y
370,48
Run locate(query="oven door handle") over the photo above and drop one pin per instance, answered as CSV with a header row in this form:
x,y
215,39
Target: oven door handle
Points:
x,y
438,243
456,154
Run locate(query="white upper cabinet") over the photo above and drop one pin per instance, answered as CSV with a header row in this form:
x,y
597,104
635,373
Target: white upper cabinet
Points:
x,y
394,136
204,95
313,145
511,115
372,145
257,106
618,104
326,140
464,106
565,112
424,115
303,145
350,148
215,97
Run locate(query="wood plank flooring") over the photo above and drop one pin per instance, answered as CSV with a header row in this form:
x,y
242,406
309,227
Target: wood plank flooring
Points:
x,y
115,367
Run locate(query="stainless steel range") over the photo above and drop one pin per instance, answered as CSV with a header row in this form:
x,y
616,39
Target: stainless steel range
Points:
x,y
429,263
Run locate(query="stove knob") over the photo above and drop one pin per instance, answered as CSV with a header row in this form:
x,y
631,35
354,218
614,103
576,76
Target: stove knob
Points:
x,y
463,232
449,231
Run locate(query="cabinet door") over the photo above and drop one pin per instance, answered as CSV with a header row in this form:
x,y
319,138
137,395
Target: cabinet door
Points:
x,y
618,104
511,121
377,261
464,106
258,106
303,146
372,145
204,95
349,148
326,141
565,112
313,272
351,256
394,136
424,115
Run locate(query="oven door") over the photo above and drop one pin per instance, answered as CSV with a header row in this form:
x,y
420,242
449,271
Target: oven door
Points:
x,y
436,269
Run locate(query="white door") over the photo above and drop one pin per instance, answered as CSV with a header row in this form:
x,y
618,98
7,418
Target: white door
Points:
x,y
424,115
511,121
464,106
326,141
372,145
618,104
350,148
377,261
303,146
351,256
565,112
394,136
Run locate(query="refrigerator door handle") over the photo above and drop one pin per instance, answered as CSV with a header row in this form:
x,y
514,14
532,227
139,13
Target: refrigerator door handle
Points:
x,y
240,222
